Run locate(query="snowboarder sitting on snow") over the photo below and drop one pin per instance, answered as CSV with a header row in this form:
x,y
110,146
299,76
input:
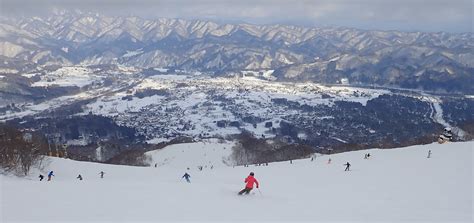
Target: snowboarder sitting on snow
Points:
x,y
347,166
50,174
186,176
41,177
79,177
250,180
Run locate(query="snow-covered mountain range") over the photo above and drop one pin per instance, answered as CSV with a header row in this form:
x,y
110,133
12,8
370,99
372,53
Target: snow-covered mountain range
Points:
x,y
433,61
86,79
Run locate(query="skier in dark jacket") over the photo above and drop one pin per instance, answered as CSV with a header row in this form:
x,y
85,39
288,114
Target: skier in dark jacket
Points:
x,y
79,177
250,180
347,166
50,174
101,174
41,177
187,176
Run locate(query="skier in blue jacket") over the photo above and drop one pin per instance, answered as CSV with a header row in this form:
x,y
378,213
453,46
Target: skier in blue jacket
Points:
x,y
186,176
50,174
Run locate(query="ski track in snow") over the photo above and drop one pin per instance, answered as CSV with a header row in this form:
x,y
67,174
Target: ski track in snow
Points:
x,y
437,115
394,185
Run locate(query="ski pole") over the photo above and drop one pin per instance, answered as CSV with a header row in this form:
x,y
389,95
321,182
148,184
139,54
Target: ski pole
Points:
x,y
259,191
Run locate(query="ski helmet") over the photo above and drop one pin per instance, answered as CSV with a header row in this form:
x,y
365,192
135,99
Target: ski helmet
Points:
x,y
251,174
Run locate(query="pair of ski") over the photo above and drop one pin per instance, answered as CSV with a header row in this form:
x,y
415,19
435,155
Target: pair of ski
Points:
x,y
260,192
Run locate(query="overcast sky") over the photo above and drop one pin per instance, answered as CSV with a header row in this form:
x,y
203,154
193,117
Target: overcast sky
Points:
x,y
406,15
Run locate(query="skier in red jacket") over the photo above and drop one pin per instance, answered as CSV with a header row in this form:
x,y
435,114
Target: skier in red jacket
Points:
x,y
250,180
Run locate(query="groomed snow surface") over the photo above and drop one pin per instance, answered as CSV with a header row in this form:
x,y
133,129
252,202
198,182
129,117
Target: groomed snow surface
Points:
x,y
397,185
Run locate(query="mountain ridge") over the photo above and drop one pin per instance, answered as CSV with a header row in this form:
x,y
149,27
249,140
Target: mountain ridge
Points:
x,y
431,61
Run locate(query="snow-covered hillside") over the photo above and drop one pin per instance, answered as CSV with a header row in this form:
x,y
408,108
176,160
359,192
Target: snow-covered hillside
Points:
x,y
208,153
393,185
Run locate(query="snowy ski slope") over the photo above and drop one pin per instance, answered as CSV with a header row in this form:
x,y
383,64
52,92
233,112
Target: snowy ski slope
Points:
x,y
397,185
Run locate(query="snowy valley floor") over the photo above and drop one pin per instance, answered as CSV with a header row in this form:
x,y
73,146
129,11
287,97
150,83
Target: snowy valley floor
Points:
x,y
396,185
